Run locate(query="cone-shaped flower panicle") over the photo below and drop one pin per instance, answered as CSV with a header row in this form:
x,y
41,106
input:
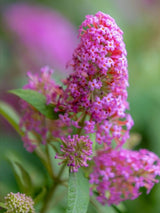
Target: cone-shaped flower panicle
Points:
x,y
19,203
119,175
75,151
32,120
97,86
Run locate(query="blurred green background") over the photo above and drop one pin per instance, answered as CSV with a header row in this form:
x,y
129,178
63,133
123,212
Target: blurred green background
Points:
x,y
139,20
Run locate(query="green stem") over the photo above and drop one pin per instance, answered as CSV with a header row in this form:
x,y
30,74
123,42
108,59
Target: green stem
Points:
x,y
49,162
61,171
81,124
49,197
44,160
48,201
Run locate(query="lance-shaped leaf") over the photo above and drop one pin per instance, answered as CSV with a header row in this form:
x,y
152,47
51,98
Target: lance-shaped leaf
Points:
x,y
22,177
10,115
78,193
37,100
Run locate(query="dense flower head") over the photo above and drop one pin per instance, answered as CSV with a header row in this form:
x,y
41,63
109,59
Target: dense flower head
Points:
x,y
119,175
32,121
19,203
75,151
97,86
94,96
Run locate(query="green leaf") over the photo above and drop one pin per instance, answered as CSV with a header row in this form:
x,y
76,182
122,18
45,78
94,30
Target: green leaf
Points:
x,y
37,100
10,115
22,177
78,193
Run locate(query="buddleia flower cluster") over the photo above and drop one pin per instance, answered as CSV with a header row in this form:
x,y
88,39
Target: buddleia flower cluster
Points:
x,y
97,86
93,101
119,175
19,203
32,121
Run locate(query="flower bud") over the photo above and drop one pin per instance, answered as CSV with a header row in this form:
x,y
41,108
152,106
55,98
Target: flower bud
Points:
x,y
75,151
19,203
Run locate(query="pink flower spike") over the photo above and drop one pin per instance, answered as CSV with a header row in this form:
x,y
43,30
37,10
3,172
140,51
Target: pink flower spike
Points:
x,y
99,67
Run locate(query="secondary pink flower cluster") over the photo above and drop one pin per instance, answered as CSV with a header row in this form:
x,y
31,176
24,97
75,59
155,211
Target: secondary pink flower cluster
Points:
x,y
37,128
32,121
75,151
97,86
118,175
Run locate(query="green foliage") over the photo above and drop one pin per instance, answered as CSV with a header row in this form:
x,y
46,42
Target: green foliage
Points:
x,y
23,178
10,115
37,100
78,193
